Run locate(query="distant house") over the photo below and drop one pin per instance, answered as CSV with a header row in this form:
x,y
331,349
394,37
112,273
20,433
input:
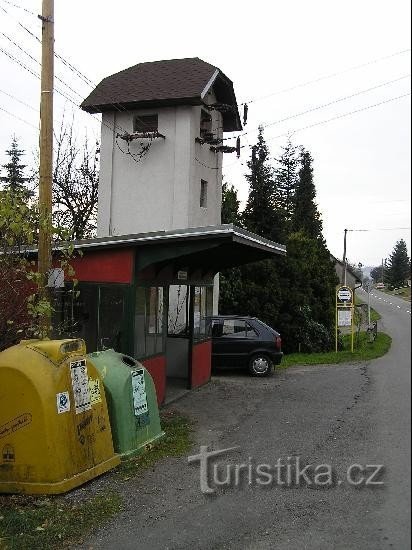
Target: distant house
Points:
x,y
352,279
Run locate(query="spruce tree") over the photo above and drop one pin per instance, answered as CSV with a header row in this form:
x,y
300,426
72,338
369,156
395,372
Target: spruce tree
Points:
x,y
310,277
260,215
230,205
230,280
14,180
286,178
306,217
254,289
399,265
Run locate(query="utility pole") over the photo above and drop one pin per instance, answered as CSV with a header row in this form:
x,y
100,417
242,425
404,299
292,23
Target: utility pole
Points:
x,y
383,270
46,152
344,258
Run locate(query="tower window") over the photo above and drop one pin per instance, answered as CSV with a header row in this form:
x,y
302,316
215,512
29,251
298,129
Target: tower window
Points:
x,y
203,194
205,122
145,123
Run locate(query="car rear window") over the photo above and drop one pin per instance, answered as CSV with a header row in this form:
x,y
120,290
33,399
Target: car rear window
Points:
x,y
237,328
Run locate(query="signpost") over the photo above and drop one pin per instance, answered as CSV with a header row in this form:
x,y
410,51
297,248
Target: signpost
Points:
x,y
344,312
368,288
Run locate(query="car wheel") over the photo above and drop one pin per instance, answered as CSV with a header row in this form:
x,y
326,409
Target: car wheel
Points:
x,y
260,365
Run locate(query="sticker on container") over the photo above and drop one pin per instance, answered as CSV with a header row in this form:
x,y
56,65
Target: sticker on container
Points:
x,y
16,424
80,385
63,402
94,389
139,392
8,454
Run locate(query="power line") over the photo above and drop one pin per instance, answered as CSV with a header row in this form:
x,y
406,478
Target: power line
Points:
x,y
19,7
381,229
68,98
205,165
11,96
61,58
340,99
326,77
38,63
57,55
389,201
28,69
342,116
19,62
117,107
19,23
19,101
18,118
324,105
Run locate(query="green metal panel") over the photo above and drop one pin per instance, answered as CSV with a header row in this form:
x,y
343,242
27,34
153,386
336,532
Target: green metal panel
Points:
x,y
131,400
128,320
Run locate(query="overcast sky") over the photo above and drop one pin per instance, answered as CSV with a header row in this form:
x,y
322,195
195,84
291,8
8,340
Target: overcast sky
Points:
x,y
361,161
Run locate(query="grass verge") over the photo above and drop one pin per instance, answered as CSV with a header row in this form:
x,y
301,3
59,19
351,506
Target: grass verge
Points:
x,y
404,293
46,523
375,316
52,522
365,351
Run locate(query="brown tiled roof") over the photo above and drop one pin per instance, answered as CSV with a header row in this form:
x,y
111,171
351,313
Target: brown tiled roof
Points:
x,y
175,81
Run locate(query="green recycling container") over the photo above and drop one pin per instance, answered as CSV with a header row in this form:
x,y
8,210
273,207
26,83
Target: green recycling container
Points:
x,y
131,400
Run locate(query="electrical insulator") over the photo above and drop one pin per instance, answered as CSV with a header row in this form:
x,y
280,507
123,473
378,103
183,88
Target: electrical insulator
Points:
x,y
238,147
245,110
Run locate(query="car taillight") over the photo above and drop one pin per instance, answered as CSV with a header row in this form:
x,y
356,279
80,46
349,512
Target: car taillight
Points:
x,y
278,342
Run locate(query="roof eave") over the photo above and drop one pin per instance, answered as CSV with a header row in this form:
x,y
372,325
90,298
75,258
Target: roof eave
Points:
x,y
133,105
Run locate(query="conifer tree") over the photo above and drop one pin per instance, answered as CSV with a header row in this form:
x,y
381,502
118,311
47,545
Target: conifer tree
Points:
x,y
230,283
294,294
309,266
230,205
260,215
306,217
286,177
399,265
254,289
14,180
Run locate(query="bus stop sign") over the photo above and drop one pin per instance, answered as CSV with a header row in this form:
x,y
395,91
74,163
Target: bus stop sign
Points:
x,y
345,295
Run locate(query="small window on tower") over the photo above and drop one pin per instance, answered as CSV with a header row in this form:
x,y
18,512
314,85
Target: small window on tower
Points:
x,y
205,122
203,194
145,123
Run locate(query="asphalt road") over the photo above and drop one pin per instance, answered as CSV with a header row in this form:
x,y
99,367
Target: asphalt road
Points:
x,y
334,415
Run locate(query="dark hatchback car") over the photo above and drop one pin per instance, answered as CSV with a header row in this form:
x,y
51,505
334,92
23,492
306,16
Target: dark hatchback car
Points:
x,y
245,342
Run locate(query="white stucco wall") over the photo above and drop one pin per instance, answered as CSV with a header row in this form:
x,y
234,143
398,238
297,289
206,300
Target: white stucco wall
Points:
x,y
162,191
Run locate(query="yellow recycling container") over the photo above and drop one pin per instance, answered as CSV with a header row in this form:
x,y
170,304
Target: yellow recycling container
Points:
x,y
54,425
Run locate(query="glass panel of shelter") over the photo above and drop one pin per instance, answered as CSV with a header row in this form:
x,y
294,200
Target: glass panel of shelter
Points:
x,y
93,312
202,312
149,334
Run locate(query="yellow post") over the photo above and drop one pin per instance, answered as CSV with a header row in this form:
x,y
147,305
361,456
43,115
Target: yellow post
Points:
x,y
353,319
336,321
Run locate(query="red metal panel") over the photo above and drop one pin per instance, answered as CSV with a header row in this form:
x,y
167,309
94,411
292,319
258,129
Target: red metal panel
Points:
x,y
105,266
201,363
157,369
